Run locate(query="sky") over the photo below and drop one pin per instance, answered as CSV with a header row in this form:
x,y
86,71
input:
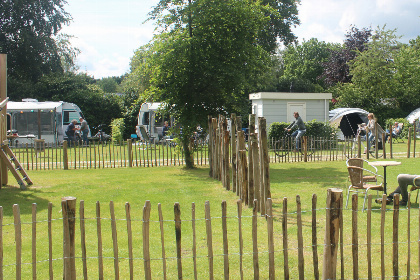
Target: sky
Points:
x,y
107,32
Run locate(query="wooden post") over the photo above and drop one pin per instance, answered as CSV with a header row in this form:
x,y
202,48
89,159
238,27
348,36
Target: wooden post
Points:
x,y
238,137
383,145
409,143
332,230
226,160
65,156
256,172
130,152
233,148
210,151
264,160
3,123
414,139
390,141
68,207
251,185
359,146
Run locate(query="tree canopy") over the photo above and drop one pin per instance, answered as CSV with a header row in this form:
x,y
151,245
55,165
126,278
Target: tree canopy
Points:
x,y
209,55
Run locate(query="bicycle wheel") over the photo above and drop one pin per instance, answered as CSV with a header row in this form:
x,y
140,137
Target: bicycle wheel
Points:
x,y
310,147
282,147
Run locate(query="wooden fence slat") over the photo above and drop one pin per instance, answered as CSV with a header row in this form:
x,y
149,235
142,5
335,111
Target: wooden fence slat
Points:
x,y
177,214
194,248
225,241
314,238
1,242
241,241
285,241
83,237
146,241
396,212
99,234
355,237
300,239
34,241
255,240
129,239
369,235
270,233
50,242
68,206
332,225
114,240
162,240
209,240
408,234
18,240
383,212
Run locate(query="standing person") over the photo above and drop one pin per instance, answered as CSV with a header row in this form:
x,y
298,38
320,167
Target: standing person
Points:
x,y
85,130
301,129
165,128
70,131
371,126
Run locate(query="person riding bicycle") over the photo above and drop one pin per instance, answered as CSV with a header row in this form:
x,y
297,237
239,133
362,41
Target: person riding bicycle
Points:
x,y
301,129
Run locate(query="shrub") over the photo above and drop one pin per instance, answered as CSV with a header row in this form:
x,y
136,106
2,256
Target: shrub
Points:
x,y
313,128
117,130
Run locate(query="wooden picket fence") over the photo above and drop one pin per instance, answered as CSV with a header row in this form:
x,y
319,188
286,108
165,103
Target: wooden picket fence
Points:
x,y
239,244
111,155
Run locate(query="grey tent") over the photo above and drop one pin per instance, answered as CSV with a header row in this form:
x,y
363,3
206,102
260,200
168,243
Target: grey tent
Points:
x,y
413,116
347,120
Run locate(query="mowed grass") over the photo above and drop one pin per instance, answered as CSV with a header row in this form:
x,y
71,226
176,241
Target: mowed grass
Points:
x,y
168,185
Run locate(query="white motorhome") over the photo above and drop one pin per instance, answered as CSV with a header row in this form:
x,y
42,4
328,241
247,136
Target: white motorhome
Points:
x,y
152,120
41,120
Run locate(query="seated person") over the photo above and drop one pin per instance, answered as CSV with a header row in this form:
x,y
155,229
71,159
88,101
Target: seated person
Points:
x,y
404,180
396,129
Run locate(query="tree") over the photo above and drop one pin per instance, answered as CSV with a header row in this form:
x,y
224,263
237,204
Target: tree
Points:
x,y
336,69
303,65
209,54
27,37
385,77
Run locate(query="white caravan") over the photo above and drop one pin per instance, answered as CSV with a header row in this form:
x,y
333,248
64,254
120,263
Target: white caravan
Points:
x,y
151,119
41,120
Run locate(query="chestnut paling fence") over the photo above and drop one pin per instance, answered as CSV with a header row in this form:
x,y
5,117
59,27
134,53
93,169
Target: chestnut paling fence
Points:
x,y
119,242
37,156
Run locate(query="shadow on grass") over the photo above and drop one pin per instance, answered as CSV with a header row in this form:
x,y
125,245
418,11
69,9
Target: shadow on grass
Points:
x,y
11,195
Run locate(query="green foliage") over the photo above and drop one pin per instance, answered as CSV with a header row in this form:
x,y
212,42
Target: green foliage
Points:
x,y
209,54
313,128
304,62
385,77
117,130
27,36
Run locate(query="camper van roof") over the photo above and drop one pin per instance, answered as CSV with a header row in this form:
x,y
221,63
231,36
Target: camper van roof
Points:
x,y
47,105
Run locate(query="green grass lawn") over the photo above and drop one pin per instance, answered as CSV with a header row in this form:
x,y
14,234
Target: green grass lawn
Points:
x,y
167,185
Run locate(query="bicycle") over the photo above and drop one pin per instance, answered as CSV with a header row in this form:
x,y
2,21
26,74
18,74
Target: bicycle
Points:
x,y
287,144
354,148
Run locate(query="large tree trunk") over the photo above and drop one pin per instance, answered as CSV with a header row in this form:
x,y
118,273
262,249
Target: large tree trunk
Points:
x,y
187,144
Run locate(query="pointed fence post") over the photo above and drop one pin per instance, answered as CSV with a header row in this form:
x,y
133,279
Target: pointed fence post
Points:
x,y
332,230
68,207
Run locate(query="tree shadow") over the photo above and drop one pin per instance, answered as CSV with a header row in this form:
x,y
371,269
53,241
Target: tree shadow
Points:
x,y
11,195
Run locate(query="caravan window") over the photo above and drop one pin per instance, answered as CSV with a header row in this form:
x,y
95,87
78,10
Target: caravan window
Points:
x,y
27,123
70,115
145,119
